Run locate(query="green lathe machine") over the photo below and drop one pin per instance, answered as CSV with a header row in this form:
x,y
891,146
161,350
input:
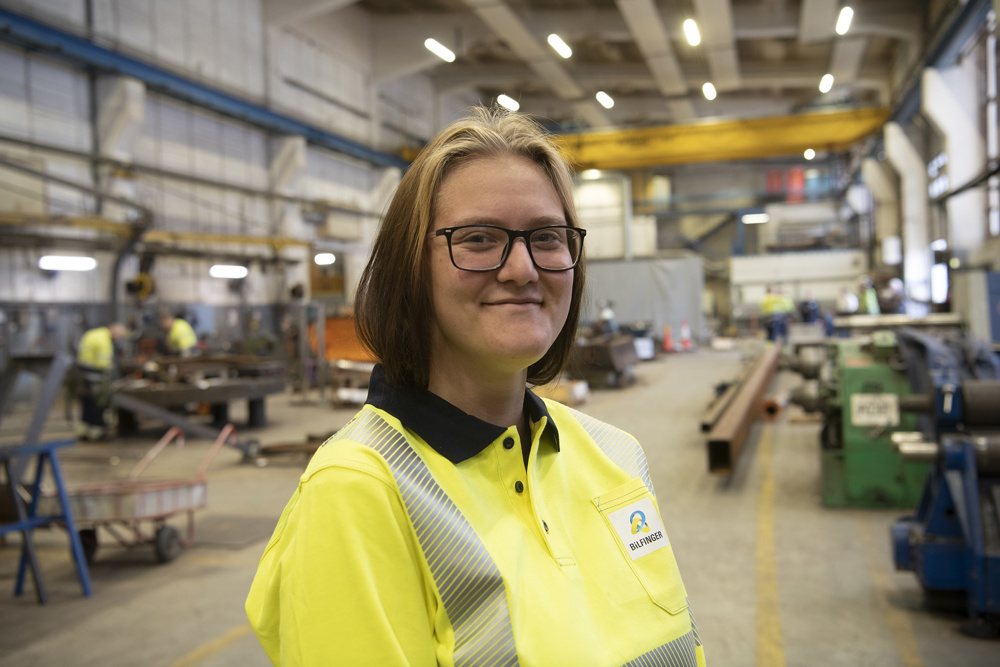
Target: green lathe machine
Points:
x,y
861,388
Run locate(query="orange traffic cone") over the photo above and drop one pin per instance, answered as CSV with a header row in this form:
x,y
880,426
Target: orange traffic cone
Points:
x,y
685,336
668,339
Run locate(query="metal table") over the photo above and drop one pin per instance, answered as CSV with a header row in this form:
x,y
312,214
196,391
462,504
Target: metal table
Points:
x,y
217,392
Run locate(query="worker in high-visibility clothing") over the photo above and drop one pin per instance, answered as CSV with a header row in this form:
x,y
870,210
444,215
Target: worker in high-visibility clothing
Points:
x,y
459,518
181,338
775,310
95,359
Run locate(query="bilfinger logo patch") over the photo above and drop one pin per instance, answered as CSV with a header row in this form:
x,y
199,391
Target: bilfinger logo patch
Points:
x,y
639,527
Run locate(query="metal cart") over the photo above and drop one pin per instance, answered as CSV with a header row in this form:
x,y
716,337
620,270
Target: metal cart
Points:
x,y
121,508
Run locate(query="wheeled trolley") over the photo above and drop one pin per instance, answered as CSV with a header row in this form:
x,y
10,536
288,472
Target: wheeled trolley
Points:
x,y
124,508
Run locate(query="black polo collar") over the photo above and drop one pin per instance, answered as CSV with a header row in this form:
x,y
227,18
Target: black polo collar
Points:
x,y
454,434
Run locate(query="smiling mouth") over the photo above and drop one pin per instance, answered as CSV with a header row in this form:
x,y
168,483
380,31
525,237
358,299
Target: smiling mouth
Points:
x,y
515,302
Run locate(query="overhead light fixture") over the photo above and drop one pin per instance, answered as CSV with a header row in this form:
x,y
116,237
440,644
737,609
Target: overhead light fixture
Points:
x,y
755,218
228,271
325,258
809,154
556,42
439,49
844,20
709,91
64,263
591,173
691,32
508,102
826,83
604,99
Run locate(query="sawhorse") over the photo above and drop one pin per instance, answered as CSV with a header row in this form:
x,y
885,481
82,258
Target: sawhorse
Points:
x,y
27,520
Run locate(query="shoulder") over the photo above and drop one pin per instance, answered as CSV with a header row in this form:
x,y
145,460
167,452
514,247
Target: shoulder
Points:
x,y
566,417
361,445
618,446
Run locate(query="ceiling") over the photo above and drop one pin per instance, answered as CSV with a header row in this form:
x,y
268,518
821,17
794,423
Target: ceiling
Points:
x,y
764,57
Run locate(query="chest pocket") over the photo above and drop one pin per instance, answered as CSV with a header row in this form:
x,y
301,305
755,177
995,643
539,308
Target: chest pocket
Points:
x,y
635,525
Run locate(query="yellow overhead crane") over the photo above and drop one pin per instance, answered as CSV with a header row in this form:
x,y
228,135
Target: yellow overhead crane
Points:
x,y
717,141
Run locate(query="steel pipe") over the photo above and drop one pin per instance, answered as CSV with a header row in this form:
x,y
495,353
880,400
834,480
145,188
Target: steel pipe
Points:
x,y
773,406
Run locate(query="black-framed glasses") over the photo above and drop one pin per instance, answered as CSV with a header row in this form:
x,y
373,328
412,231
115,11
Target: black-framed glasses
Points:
x,y
486,247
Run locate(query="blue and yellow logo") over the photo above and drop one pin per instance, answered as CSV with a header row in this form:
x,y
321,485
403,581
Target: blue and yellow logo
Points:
x,y
638,521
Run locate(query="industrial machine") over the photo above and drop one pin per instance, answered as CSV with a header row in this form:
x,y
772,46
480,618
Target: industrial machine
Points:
x,y
952,542
860,389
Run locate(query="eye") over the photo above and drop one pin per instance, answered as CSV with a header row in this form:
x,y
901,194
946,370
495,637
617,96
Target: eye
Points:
x,y
479,236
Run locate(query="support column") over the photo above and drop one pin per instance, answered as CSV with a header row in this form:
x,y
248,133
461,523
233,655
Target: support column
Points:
x,y
356,259
288,161
908,163
950,100
121,110
882,182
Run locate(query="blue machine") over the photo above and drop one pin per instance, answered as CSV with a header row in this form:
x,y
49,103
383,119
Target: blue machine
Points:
x,y
952,543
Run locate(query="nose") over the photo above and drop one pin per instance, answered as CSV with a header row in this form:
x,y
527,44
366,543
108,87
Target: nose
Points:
x,y
518,267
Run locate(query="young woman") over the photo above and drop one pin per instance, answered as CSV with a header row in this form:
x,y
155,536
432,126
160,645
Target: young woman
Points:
x,y
459,519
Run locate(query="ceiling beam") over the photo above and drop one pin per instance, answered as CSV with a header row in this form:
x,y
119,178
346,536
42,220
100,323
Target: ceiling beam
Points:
x,y
817,20
845,62
647,29
715,22
777,76
508,26
285,12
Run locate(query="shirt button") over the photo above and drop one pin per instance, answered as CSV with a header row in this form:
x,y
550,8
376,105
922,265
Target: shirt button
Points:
x,y
508,443
518,487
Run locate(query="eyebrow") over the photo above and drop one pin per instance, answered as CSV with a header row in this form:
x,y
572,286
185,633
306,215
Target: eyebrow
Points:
x,y
543,221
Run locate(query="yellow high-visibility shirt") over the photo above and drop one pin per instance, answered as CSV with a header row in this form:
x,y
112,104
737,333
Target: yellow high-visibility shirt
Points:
x,y
769,304
96,349
181,336
418,536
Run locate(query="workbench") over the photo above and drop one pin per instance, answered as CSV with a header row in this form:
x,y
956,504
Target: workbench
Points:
x,y
214,380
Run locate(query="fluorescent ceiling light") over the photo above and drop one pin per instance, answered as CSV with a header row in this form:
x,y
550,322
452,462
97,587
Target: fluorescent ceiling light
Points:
x,y
555,41
439,49
826,83
691,31
591,173
605,99
844,20
325,258
809,154
228,271
755,218
63,263
709,91
508,102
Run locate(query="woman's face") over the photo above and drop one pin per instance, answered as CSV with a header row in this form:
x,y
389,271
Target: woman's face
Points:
x,y
496,322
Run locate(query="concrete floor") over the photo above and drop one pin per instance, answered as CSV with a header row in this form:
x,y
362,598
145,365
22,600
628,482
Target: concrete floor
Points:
x,y
774,578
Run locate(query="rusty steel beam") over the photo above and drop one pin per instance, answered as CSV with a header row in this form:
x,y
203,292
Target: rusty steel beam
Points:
x,y
715,409
726,438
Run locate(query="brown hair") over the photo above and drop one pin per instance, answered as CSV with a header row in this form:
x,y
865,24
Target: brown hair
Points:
x,y
392,307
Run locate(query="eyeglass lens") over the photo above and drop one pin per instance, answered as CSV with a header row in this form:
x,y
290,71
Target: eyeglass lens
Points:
x,y
483,248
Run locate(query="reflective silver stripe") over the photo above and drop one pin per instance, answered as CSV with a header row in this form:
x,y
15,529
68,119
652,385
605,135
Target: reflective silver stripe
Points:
x,y
678,653
469,582
623,450
694,626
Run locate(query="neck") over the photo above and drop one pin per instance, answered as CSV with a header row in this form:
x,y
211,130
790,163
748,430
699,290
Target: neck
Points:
x,y
498,400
